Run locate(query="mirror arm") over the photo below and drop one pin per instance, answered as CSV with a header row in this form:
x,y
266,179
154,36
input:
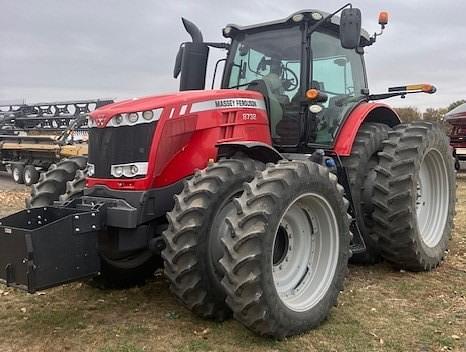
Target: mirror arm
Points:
x,y
373,39
225,46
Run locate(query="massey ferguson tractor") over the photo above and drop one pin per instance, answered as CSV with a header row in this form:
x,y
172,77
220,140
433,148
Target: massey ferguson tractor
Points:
x,y
254,196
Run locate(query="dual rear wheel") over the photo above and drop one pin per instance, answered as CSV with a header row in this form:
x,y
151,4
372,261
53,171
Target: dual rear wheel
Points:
x,y
414,196
402,184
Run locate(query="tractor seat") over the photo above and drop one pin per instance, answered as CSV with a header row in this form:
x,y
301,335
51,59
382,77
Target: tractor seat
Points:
x,y
267,87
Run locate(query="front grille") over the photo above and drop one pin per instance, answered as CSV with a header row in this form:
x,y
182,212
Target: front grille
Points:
x,y
119,145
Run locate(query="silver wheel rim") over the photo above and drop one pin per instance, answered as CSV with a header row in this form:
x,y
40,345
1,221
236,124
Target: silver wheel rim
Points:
x,y
27,176
306,251
15,174
432,198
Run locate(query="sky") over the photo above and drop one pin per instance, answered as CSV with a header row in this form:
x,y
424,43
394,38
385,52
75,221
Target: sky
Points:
x,y
62,50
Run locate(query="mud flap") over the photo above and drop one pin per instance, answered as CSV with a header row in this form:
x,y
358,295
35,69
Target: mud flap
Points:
x,y
45,247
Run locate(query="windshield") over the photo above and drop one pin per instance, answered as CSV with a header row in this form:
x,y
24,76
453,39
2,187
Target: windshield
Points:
x,y
262,54
271,63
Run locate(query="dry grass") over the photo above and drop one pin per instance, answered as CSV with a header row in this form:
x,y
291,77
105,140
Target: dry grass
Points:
x,y
380,310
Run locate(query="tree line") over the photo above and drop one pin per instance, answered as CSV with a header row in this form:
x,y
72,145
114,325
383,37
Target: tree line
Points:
x,y
411,113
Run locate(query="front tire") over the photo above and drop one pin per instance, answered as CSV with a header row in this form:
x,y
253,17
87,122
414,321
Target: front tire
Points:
x,y
123,273
192,239
53,183
287,250
414,198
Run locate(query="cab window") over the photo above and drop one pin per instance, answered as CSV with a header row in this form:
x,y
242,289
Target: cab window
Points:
x,y
339,73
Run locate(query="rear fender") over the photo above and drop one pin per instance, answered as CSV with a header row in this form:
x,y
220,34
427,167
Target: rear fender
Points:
x,y
365,112
255,150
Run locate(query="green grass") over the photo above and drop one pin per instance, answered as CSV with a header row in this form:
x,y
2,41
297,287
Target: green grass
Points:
x,y
381,309
124,347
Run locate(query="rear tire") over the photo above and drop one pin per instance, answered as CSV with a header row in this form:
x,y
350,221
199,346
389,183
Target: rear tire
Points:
x,y
360,168
192,239
17,172
414,198
31,175
291,206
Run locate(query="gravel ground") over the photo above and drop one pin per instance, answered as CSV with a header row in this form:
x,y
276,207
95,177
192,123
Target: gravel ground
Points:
x,y
12,195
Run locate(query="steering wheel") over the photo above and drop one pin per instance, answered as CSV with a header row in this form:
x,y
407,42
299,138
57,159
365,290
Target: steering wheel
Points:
x,y
290,84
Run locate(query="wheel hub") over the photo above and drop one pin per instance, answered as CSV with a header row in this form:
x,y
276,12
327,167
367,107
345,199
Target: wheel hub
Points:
x,y
281,246
432,192
27,177
15,173
305,252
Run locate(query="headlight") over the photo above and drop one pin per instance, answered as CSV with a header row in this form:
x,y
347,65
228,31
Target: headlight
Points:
x,y
133,117
134,169
118,119
298,17
316,16
118,171
148,115
129,170
226,31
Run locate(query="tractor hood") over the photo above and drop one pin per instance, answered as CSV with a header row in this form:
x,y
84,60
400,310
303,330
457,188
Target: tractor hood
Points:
x,y
176,100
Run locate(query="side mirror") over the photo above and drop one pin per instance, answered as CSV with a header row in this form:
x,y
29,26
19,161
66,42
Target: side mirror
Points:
x,y
350,28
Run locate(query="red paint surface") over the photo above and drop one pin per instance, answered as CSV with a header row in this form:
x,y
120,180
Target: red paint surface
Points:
x,y
184,143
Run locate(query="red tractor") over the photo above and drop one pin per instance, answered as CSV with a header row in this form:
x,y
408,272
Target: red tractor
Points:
x,y
254,195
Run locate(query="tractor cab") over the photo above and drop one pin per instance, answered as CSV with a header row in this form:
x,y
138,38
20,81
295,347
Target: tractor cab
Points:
x,y
309,67
283,60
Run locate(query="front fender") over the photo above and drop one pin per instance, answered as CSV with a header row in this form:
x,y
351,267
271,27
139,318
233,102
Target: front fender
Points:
x,y
255,150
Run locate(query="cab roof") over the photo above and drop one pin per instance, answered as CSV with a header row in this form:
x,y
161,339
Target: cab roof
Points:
x,y
332,24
